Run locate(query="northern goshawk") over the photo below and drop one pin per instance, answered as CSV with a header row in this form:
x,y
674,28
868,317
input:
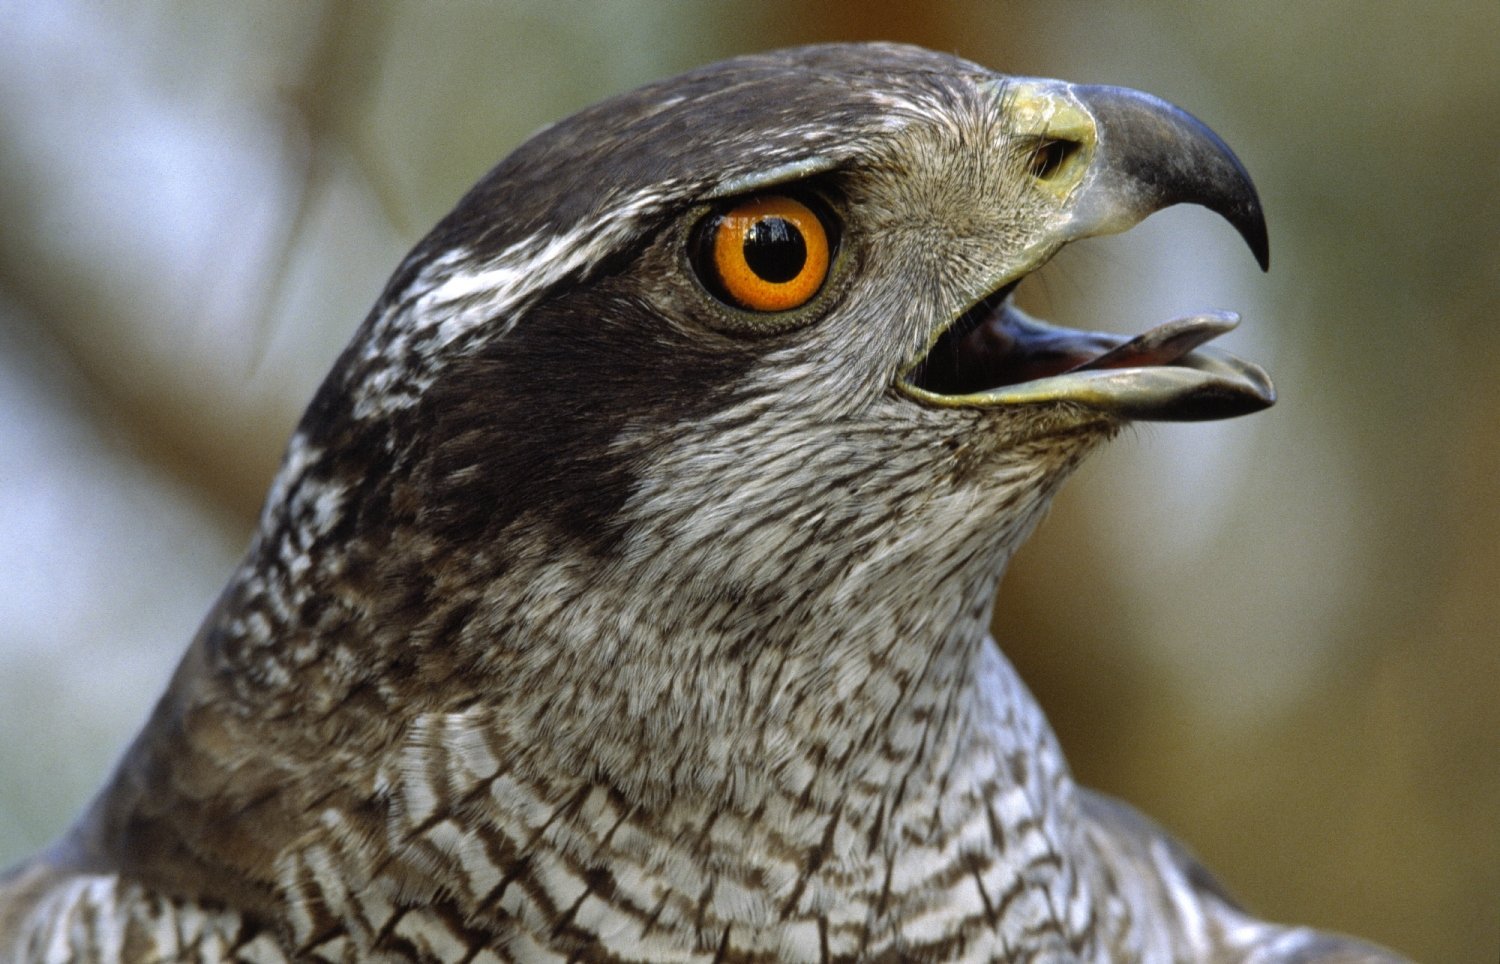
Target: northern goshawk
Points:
x,y
623,594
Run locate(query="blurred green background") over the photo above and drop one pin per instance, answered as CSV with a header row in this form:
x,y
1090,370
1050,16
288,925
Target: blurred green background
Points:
x,y
1279,635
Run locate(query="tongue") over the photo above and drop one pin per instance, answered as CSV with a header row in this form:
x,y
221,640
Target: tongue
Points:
x,y
1165,343
1008,347
1009,358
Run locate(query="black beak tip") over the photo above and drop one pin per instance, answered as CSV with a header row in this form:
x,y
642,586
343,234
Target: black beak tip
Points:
x,y
1253,230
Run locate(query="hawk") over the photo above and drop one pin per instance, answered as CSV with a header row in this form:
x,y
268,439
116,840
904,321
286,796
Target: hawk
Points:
x,y
623,593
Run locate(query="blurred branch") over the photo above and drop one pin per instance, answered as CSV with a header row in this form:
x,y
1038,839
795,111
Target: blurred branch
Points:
x,y
328,100
212,428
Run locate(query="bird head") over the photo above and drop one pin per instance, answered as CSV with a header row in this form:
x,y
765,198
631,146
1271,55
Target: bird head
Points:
x,y
724,375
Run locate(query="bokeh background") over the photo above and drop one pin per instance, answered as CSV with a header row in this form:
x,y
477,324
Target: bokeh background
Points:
x,y
1279,635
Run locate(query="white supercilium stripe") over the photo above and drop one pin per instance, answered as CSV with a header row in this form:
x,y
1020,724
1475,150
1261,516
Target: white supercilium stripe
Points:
x,y
459,292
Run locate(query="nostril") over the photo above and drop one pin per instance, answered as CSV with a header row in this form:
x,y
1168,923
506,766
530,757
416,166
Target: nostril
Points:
x,y
1050,156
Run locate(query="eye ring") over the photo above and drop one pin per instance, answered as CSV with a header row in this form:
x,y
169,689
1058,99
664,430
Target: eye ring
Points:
x,y
770,253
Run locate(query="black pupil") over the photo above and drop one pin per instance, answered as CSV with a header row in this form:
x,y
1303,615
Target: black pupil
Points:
x,y
775,250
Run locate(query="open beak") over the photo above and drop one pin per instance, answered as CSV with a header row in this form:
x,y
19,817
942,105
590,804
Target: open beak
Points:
x,y
1111,157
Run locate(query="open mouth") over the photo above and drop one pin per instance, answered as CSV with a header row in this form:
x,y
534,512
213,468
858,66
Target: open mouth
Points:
x,y
1129,156
995,354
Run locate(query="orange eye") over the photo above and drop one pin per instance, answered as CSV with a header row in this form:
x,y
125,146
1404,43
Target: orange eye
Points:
x,y
767,254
